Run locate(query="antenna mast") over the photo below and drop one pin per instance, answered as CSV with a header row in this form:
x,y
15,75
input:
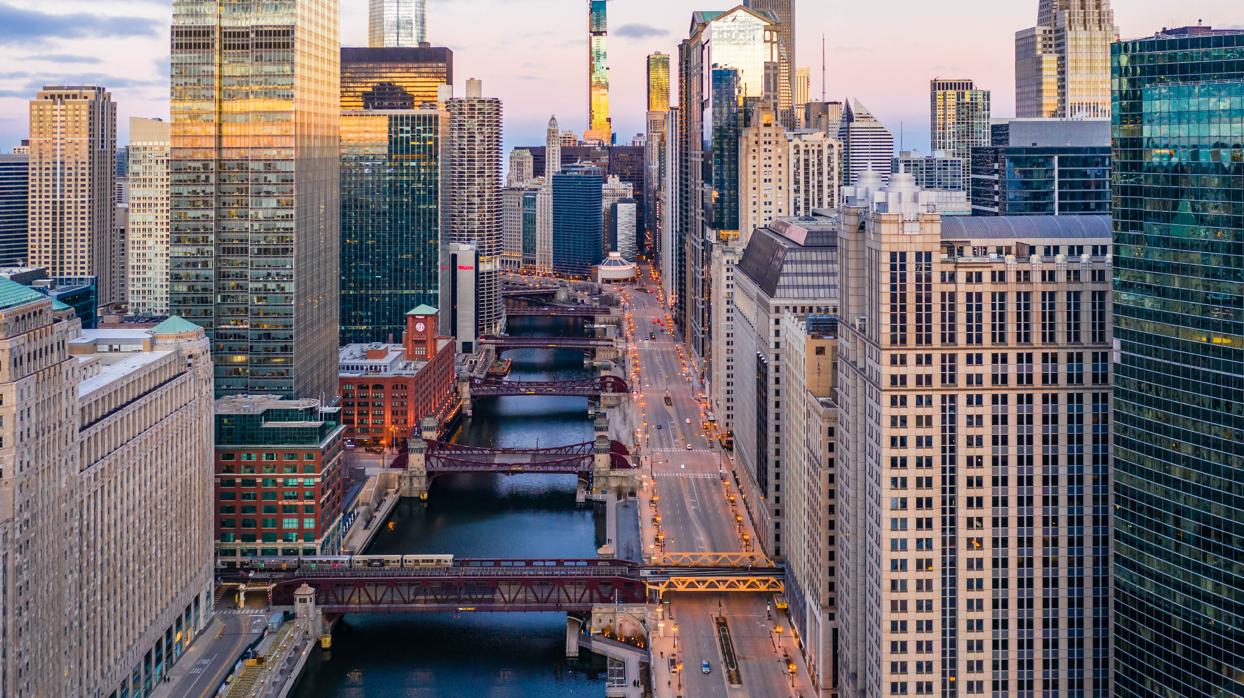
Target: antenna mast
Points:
x,y
822,67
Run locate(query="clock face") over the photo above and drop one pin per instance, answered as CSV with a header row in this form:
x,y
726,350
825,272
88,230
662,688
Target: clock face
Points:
x,y
419,326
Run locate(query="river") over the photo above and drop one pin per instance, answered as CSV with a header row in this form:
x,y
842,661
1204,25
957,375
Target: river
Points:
x,y
481,655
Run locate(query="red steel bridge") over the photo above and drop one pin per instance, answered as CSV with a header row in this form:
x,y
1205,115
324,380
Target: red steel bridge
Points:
x,y
588,387
504,342
554,310
528,291
579,459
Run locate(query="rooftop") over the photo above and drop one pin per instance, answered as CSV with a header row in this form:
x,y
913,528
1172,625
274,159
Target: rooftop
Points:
x,y
13,294
175,325
258,404
1025,227
794,257
116,366
422,309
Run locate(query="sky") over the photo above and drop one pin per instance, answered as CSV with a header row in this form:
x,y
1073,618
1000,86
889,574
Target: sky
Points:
x,y
533,53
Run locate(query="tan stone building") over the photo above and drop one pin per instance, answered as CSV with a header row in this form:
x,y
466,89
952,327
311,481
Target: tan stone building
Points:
x,y
147,235
764,173
73,141
974,439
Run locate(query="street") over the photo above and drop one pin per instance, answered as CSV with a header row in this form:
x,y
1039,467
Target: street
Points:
x,y
210,659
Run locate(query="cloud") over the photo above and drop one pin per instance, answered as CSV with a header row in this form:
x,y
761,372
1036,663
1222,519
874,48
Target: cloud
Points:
x,y
639,31
62,58
21,26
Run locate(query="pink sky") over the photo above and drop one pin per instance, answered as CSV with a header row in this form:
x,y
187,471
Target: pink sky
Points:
x,y
532,53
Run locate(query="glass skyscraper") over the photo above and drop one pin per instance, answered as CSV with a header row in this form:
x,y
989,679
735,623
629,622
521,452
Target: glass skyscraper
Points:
x,y
392,23
1178,111
578,219
254,190
390,219
658,82
599,125
371,72
14,193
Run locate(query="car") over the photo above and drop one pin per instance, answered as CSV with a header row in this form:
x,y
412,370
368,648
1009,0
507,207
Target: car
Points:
x,y
687,420
660,426
688,447
705,667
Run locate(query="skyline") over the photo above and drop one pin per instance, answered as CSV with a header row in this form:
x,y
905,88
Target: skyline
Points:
x,y
123,45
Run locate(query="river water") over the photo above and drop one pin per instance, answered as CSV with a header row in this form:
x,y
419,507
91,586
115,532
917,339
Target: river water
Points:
x,y
481,655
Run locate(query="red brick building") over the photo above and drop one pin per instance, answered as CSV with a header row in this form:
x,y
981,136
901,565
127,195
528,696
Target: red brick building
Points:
x,y
386,389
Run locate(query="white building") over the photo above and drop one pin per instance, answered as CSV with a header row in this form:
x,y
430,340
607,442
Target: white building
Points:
x,y
544,200
866,143
146,239
815,162
105,498
522,168
721,374
764,173
936,171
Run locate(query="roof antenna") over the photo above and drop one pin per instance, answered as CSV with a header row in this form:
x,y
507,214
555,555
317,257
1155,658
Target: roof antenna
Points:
x,y
822,67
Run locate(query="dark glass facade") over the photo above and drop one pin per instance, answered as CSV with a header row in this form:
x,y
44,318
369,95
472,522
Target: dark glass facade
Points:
x,y
577,221
529,228
1040,181
722,133
14,197
1178,129
417,72
390,219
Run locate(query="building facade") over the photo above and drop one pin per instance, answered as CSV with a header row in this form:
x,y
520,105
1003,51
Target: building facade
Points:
x,y
1062,65
1043,167
397,23
783,12
940,170
411,76
1179,383
599,124
391,179
803,95
958,119
522,168
764,174
658,82
624,229
387,389
577,221
146,280
459,295
73,141
974,451
279,478
259,273
867,145
14,208
473,189
815,160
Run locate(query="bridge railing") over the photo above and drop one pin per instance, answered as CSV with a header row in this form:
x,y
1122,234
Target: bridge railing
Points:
x,y
737,559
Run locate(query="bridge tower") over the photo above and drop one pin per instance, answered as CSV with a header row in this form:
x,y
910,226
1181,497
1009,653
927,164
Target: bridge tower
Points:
x,y
464,393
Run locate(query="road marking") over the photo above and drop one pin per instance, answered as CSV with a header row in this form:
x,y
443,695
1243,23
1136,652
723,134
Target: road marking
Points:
x,y
681,474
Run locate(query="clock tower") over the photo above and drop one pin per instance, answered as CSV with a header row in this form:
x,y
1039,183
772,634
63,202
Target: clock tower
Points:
x,y
420,339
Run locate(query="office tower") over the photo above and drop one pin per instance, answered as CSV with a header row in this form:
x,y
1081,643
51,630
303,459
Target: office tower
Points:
x,y
823,116
107,535
473,213
459,295
741,43
599,125
658,82
784,14
671,250
1043,167
867,145
764,159
613,190
521,168
73,138
397,23
624,225
274,429
809,431
391,196
14,211
802,95
974,450
518,225
544,199
259,273
815,158
1062,65
940,170
394,78
147,235
958,119
1179,383
577,221
789,266
120,181
720,378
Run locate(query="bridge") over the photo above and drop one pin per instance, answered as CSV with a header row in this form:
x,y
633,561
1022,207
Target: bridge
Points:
x,y
505,342
528,291
579,459
555,310
589,387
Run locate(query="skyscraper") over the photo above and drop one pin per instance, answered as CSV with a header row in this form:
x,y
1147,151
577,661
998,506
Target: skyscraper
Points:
x,y
391,162
397,23
866,143
784,12
73,140
473,190
802,95
1042,167
599,125
14,212
1179,383
658,82
402,78
147,236
765,169
815,158
521,168
544,199
1062,65
258,272
577,221
958,119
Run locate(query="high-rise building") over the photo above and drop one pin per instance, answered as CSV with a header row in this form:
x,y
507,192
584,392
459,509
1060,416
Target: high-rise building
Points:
x,y
391,162
624,237
259,273
823,116
121,181
939,170
783,12
459,296
599,124
1062,65
867,145
397,23
764,161
146,279
73,140
815,159
671,250
518,225
394,78
958,119
658,82
108,529
973,450
544,199
1043,167
802,95
577,221
522,168
1179,381
613,190
742,45
473,188
14,211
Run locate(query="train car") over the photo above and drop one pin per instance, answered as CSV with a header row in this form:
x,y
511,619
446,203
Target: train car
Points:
x,y
326,562
373,561
427,561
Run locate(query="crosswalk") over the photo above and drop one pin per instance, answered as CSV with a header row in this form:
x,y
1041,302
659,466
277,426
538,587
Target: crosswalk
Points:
x,y
681,450
691,476
240,611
